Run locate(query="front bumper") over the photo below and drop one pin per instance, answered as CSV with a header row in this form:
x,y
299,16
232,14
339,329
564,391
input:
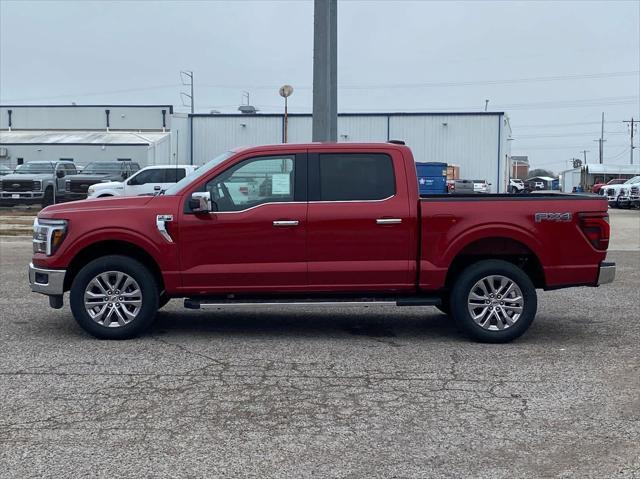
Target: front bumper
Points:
x,y
46,281
22,195
607,273
74,196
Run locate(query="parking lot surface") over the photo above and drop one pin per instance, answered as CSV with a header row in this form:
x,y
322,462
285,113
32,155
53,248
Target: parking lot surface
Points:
x,y
332,392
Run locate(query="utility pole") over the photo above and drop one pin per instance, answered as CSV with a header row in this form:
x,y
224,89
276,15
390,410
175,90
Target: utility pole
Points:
x,y
584,152
189,83
325,70
601,140
632,125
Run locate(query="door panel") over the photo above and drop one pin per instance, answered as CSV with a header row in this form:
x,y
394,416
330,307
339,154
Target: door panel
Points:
x,y
245,251
257,241
360,245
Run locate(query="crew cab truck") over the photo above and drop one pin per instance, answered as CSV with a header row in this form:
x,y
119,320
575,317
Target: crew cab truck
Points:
x,y
148,181
36,182
96,173
320,222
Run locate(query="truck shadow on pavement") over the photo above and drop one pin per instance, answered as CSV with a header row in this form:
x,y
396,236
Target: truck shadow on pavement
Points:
x,y
376,323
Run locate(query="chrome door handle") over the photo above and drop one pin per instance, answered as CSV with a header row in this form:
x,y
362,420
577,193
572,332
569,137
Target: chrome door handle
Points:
x,y
286,223
389,221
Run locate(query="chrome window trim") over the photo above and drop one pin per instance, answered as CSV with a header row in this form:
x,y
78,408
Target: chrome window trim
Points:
x,y
298,203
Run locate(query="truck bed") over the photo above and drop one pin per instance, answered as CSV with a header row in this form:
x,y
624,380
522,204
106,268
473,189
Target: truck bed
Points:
x,y
544,228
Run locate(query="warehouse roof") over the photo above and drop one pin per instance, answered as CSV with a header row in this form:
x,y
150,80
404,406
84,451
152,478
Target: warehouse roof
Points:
x,y
81,137
599,169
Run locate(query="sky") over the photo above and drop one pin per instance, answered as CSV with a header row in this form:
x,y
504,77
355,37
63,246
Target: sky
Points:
x,y
553,66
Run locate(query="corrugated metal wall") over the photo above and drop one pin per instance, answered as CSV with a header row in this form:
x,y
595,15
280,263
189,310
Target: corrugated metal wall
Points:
x,y
475,142
468,141
213,135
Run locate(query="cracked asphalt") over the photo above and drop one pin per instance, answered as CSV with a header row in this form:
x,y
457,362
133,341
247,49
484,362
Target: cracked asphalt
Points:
x,y
331,392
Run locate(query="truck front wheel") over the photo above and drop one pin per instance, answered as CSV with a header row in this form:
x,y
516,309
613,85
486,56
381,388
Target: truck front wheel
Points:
x,y
114,297
493,301
47,198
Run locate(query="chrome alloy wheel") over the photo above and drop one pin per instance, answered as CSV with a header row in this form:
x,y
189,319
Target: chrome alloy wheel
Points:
x,y
113,299
495,303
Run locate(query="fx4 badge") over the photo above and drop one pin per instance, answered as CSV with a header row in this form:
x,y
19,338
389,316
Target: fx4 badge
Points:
x,y
557,217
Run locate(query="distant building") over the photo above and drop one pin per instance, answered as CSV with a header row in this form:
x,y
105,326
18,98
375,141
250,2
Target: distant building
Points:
x,y
588,175
547,180
475,142
85,133
520,167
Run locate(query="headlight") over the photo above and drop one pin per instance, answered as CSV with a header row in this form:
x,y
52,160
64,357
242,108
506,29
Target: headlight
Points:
x,y
48,235
37,185
91,190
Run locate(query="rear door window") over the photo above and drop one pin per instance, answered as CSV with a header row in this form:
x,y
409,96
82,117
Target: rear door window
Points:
x,y
355,177
173,175
155,175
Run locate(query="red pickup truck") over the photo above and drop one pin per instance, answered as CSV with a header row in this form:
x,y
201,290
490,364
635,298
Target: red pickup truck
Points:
x,y
317,223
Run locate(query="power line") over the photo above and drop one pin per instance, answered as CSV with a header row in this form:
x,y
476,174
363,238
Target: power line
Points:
x,y
524,148
504,81
554,125
346,87
567,135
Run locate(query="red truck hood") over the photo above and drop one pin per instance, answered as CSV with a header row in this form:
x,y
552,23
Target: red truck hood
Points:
x,y
97,204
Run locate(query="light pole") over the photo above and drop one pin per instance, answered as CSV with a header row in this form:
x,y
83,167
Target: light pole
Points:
x,y
285,92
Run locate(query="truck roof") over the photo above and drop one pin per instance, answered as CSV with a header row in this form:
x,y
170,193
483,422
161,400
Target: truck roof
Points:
x,y
152,167
318,145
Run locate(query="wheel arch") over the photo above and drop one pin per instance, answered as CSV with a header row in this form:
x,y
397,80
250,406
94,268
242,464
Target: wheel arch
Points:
x,y
497,247
112,247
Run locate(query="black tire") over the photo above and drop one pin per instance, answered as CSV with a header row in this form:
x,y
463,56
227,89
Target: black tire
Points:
x,y
163,300
444,307
460,296
105,196
47,199
134,269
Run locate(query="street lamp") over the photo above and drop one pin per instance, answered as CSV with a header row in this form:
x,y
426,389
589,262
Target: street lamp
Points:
x,y
285,92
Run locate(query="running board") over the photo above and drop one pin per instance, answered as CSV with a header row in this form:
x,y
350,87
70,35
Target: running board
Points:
x,y
197,303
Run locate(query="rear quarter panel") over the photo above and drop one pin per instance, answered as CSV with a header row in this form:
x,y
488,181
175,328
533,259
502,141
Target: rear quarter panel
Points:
x,y
450,224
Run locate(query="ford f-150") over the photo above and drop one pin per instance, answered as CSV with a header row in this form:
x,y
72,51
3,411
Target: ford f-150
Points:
x,y
317,223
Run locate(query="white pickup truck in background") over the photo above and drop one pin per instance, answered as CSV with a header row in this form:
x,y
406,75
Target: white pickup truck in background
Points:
x,y
148,181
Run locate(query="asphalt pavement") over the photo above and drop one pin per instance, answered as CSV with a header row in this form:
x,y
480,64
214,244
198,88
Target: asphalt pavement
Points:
x,y
331,392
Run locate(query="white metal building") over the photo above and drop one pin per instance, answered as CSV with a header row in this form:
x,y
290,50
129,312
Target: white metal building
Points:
x,y
86,133
588,175
83,147
475,141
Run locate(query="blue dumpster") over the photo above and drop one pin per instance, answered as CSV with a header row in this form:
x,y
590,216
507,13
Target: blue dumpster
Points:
x,y
432,178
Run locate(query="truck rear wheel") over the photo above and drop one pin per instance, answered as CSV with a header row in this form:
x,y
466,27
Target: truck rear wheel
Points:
x,y
114,297
493,301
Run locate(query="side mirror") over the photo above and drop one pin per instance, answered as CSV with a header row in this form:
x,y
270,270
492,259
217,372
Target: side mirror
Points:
x,y
200,202
60,173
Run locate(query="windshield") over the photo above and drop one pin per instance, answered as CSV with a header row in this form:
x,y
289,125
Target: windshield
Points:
x,y
101,168
35,168
635,179
193,176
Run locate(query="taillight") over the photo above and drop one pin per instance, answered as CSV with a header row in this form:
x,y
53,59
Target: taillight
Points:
x,y
595,227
